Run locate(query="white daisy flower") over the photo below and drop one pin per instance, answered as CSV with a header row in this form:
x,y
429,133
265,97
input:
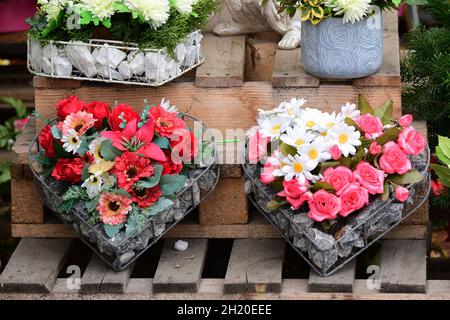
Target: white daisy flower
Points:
x,y
108,180
273,127
94,148
346,137
297,136
298,167
309,118
156,12
316,152
93,185
167,106
350,111
291,109
71,141
353,10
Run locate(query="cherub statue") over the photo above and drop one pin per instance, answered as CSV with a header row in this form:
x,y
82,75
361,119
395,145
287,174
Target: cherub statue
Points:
x,y
250,16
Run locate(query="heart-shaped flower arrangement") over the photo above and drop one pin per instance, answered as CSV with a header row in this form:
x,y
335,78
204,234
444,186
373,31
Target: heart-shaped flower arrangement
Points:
x,y
122,179
333,183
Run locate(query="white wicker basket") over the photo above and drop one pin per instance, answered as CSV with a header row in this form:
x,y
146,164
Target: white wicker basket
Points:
x,y
113,61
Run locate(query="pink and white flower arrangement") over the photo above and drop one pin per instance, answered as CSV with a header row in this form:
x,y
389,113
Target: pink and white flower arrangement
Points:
x,y
334,164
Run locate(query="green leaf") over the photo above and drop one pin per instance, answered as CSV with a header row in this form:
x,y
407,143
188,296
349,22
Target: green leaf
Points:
x,y
131,228
287,149
385,195
105,124
171,184
92,204
111,231
84,146
157,207
5,171
328,164
350,122
358,157
56,133
60,152
121,192
364,106
120,7
443,174
384,112
108,151
107,23
162,142
444,145
413,176
17,105
390,134
441,156
323,185
274,205
153,180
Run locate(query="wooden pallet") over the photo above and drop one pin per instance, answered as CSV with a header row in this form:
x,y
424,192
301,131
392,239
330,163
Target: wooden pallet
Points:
x,y
245,269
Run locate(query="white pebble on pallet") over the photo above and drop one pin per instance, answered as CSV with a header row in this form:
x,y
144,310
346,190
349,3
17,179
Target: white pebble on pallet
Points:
x,y
104,72
125,70
80,57
136,61
181,245
36,52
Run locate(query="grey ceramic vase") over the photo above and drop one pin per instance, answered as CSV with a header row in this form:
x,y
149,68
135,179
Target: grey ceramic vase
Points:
x,y
334,50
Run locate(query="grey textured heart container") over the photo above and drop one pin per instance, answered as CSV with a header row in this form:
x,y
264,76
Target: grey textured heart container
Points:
x,y
336,50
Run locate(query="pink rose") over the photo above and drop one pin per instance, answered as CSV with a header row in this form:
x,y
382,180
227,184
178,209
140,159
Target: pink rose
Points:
x,y
369,177
394,160
20,124
353,198
267,176
338,177
335,152
324,206
371,125
402,194
375,148
294,192
411,141
257,147
405,120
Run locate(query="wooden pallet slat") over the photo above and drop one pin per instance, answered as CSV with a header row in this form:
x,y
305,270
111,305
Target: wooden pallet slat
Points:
x,y
403,266
180,271
341,281
34,265
224,62
255,266
116,281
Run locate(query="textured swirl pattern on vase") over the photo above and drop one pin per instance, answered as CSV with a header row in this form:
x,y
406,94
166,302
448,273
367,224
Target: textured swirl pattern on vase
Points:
x,y
332,49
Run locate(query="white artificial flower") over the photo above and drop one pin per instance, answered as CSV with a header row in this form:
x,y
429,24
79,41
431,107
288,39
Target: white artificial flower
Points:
x,y
101,9
297,136
156,12
291,109
273,127
346,138
309,118
353,10
94,148
52,8
93,185
108,180
71,141
329,120
184,6
296,166
167,106
350,111
315,152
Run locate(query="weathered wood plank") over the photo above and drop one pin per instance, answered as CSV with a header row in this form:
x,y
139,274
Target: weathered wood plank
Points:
x,y
180,271
257,228
224,62
255,266
341,281
226,205
403,266
19,152
114,281
288,71
260,56
225,108
92,278
34,265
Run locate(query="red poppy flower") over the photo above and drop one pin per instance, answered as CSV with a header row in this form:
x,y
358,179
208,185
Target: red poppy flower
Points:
x,y
166,122
129,168
135,140
169,167
146,197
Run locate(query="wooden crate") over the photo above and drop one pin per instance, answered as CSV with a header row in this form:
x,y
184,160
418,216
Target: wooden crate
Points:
x,y
251,269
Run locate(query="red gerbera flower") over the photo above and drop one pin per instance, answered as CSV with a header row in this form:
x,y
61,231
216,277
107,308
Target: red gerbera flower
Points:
x,y
129,168
146,197
169,167
166,122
